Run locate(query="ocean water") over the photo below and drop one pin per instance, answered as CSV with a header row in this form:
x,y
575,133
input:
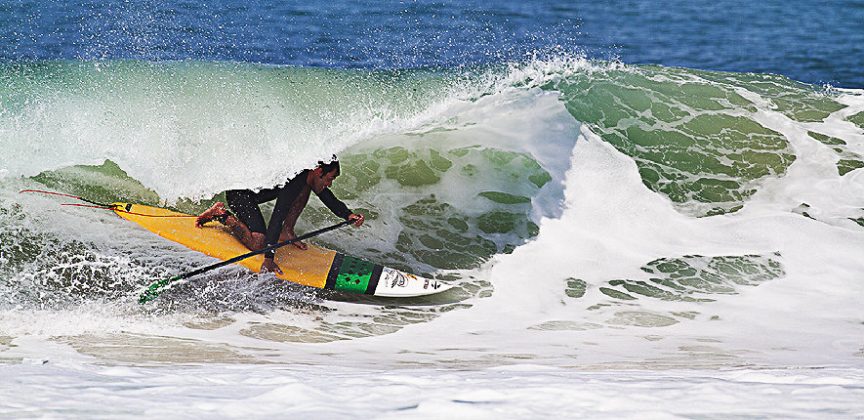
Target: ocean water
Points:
x,y
647,209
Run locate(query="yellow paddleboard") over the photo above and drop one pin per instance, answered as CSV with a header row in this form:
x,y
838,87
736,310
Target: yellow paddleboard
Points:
x,y
315,267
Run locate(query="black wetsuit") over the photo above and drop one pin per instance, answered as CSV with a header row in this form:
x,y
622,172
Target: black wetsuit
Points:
x,y
244,204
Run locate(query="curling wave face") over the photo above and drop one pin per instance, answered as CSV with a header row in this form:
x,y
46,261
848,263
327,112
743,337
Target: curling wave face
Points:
x,y
585,196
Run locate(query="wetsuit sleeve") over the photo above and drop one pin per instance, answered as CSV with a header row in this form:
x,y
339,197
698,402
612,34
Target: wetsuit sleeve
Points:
x,y
334,204
284,199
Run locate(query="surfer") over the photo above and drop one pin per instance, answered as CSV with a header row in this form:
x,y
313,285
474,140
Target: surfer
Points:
x,y
247,223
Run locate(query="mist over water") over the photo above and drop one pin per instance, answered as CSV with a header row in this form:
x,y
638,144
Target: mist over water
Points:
x,y
609,226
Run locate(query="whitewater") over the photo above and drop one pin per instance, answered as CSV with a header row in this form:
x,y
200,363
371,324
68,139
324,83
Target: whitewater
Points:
x,y
625,241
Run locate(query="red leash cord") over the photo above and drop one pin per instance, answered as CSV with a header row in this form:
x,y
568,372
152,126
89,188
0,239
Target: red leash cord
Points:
x,y
96,205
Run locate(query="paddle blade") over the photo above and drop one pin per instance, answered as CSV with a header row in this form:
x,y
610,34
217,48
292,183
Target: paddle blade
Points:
x,y
154,289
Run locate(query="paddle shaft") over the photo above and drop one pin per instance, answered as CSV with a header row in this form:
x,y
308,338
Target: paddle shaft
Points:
x,y
152,292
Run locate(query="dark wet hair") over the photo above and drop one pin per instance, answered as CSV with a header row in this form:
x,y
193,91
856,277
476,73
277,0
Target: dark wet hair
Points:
x,y
331,166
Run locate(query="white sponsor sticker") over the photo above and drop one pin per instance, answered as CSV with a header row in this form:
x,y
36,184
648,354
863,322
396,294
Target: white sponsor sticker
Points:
x,y
396,283
393,279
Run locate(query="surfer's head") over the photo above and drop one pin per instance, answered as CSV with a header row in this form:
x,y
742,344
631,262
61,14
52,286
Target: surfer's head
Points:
x,y
324,174
331,166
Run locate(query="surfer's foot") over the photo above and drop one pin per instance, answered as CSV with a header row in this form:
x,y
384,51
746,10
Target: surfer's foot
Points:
x,y
217,211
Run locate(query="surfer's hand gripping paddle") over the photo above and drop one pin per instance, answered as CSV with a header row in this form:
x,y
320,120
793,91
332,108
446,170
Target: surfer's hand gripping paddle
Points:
x,y
154,289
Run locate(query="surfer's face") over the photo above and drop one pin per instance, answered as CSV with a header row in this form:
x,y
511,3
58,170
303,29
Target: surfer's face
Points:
x,y
321,180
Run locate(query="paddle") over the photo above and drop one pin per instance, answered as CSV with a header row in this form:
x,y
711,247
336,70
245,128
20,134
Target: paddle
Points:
x,y
154,289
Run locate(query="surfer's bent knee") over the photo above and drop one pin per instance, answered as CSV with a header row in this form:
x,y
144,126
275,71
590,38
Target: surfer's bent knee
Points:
x,y
258,240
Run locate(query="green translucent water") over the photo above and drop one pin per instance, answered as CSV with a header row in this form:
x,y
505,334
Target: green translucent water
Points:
x,y
858,119
798,101
848,161
691,133
104,183
446,234
694,278
575,288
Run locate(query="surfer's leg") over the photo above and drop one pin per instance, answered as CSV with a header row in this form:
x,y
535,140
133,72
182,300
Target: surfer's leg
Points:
x,y
247,223
216,211
253,240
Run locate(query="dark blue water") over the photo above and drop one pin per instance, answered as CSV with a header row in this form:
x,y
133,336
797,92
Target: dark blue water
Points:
x,y
815,42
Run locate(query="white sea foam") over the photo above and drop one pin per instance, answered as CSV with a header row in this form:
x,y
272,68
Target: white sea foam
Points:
x,y
524,391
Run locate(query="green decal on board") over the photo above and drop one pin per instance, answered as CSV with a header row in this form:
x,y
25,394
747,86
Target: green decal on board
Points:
x,y
354,275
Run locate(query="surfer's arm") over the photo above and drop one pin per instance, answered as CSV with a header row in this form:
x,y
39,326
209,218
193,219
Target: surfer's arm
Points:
x,y
334,204
284,201
339,208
